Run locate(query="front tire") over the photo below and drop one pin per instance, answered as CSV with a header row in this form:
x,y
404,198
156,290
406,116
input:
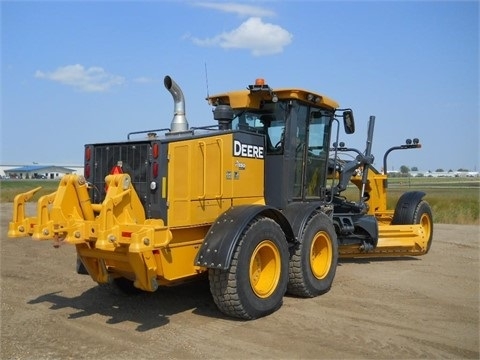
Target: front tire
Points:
x,y
423,216
412,210
256,281
313,265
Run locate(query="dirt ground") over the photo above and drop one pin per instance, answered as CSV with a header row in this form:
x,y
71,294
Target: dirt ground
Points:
x,y
425,307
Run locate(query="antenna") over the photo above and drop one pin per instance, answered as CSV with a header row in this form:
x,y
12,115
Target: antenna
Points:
x,y
206,79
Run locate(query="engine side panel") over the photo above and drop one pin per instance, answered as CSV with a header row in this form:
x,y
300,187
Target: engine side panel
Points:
x,y
208,175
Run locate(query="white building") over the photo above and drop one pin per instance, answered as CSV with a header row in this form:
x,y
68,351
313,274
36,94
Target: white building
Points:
x,y
38,171
445,173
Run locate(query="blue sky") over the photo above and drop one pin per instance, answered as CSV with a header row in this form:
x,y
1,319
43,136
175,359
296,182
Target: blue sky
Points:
x,y
82,72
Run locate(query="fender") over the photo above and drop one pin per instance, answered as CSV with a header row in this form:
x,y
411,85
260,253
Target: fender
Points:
x,y
219,244
298,214
405,209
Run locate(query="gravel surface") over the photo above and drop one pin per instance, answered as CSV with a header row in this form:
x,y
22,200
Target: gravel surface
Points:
x,y
410,308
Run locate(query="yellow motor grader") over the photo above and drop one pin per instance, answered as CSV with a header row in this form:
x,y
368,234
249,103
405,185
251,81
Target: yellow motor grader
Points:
x,y
255,200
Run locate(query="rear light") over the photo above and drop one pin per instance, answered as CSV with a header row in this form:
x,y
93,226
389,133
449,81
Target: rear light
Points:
x,y
155,150
88,153
86,171
155,169
88,156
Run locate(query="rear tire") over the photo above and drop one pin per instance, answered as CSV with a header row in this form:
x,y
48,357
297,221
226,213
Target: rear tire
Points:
x,y
313,265
256,281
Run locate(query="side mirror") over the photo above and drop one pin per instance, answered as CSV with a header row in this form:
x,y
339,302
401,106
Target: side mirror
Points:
x,y
348,122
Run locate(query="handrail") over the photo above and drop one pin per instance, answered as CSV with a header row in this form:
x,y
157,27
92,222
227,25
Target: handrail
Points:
x,y
220,142
202,143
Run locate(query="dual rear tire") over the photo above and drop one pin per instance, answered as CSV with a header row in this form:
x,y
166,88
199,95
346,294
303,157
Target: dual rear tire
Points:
x,y
263,268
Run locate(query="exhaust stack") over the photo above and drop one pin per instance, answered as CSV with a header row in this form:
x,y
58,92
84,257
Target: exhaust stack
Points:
x,y
179,122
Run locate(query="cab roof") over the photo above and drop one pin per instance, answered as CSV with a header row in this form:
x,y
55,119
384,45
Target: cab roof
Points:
x,y
256,94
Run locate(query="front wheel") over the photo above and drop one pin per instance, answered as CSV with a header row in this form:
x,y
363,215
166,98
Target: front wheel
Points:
x,y
423,216
256,280
313,265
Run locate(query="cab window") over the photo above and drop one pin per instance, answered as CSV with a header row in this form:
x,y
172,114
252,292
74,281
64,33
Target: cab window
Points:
x,y
271,124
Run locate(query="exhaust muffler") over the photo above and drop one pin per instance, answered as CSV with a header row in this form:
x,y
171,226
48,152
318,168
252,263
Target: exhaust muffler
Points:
x,y
179,122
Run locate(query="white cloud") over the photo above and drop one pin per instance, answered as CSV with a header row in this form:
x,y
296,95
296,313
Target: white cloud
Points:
x,y
144,80
255,35
240,9
93,79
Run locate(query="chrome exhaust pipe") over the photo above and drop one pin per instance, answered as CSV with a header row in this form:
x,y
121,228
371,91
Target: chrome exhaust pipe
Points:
x,y
179,122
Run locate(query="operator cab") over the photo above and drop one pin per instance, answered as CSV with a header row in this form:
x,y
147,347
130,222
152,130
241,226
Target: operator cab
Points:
x,y
297,126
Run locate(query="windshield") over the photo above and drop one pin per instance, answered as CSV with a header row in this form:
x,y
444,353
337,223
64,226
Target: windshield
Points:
x,y
319,132
312,134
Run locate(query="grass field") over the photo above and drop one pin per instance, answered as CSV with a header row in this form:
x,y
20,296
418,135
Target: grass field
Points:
x,y
453,200
9,188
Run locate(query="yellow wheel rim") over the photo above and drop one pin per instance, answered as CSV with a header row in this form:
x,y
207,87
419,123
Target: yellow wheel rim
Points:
x,y
265,269
321,254
426,225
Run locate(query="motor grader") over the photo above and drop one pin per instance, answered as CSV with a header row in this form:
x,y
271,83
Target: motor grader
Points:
x,y
256,201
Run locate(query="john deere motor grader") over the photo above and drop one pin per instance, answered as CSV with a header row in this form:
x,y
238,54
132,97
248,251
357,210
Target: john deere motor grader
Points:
x,y
256,201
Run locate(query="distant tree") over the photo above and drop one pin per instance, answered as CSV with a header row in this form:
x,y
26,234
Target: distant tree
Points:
x,y
439,170
404,169
465,170
420,175
450,170
414,168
